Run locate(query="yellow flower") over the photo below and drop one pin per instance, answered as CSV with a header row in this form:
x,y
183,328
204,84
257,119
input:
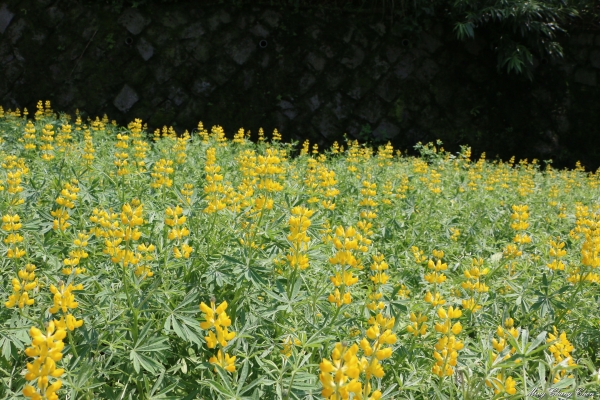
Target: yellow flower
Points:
x,y
25,283
46,349
471,304
502,386
339,376
337,298
226,362
418,326
216,317
64,299
561,350
69,322
436,300
288,343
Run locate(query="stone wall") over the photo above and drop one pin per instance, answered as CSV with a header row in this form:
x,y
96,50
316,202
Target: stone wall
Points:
x,y
312,74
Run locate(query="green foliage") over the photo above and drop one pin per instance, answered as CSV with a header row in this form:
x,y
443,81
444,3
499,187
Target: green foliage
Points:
x,y
141,337
518,29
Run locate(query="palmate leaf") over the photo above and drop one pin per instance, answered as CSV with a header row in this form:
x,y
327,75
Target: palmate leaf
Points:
x,y
244,373
154,392
13,336
181,320
147,351
81,377
254,273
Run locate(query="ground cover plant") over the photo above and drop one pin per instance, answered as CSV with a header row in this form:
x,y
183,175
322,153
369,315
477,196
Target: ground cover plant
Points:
x,y
151,266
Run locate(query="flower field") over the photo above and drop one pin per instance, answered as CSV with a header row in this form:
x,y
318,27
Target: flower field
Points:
x,y
149,266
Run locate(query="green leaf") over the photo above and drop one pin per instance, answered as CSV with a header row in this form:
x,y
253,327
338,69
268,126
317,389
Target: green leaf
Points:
x,y
147,351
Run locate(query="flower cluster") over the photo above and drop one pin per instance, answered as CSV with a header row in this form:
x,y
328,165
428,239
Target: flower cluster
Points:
x,y
501,343
187,191
327,188
178,231
76,255
502,385
162,172
475,284
120,232
216,317
557,252
214,189
12,223
418,324
520,224
66,201
63,137
376,344
378,278
64,300
15,170
46,351
299,223
180,146
47,148
435,277
140,146
385,154
340,377
590,253
22,286
561,350
447,347
88,149
288,343
368,204
347,242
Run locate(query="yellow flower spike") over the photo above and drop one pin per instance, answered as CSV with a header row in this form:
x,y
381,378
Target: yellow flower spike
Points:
x,y
346,368
439,254
46,349
471,304
216,316
64,299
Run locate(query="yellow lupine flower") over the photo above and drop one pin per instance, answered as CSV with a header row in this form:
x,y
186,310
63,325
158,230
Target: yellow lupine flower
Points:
x,y
339,376
64,299
216,317
500,385
21,286
46,349
227,362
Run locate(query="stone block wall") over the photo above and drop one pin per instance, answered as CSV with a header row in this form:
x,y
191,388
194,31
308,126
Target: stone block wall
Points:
x,y
311,74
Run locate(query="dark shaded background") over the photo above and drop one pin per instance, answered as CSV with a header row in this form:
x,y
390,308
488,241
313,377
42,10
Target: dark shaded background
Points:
x,y
365,71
